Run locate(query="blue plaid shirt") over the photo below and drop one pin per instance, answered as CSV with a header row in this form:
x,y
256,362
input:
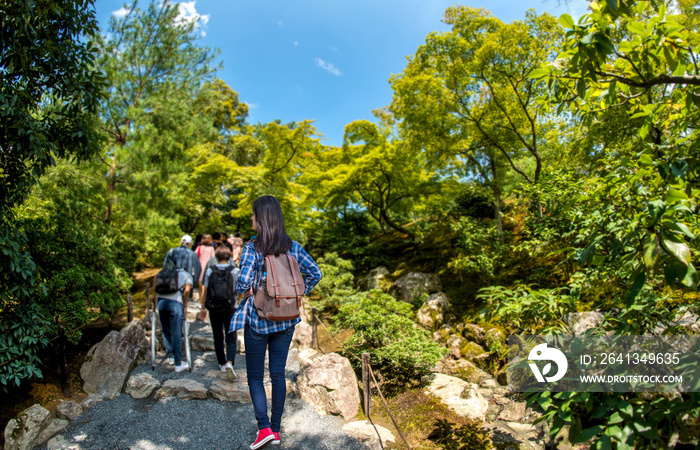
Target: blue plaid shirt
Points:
x,y
251,271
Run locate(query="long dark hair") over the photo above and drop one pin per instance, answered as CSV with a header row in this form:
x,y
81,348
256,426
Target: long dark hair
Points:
x,y
272,238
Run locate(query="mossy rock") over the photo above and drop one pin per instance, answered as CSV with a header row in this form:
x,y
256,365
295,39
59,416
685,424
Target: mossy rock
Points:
x,y
471,349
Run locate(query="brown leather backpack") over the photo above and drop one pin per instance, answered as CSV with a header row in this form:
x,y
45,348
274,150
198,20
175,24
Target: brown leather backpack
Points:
x,y
280,297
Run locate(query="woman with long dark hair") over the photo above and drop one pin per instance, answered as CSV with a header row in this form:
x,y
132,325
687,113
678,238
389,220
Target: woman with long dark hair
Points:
x,y
260,334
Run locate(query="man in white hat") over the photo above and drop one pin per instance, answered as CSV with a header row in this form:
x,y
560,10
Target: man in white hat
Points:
x,y
183,257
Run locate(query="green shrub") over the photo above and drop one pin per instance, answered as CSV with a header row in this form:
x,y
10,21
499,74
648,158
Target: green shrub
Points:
x,y
337,283
385,329
525,308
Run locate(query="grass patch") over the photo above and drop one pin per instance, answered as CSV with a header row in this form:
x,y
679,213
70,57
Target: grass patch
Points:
x,y
428,424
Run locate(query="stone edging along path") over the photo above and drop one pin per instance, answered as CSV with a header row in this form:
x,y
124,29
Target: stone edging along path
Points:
x,y
161,409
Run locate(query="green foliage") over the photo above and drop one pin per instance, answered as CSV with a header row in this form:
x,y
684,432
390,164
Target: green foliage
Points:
x,y
347,232
526,309
337,284
384,328
48,107
49,92
22,333
159,77
481,250
450,437
619,420
75,263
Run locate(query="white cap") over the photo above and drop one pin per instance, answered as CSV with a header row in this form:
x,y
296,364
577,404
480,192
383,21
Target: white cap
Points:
x,y
186,239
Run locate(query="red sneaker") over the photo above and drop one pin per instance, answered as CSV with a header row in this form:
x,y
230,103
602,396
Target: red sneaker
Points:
x,y
276,441
264,436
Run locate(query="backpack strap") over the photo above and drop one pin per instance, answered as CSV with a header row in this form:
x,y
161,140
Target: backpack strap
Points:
x,y
271,266
294,268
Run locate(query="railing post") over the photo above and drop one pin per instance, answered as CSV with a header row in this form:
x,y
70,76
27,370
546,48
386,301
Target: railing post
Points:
x,y
367,403
314,328
148,296
65,386
129,309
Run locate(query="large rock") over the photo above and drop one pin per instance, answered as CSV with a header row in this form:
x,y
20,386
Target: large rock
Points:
x,y
365,432
579,323
185,389
373,280
432,314
414,284
329,384
229,392
91,401
460,396
32,427
108,363
141,385
302,336
68,410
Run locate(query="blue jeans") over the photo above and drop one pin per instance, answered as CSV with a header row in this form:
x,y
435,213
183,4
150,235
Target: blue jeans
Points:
x,y
172,314
220,323
255,346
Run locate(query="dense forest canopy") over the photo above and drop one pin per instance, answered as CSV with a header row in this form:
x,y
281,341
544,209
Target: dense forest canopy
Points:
x,y
540,167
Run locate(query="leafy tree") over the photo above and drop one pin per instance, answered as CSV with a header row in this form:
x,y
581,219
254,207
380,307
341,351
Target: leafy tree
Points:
x,y
643,201
466,95
386,177
287,151
49,92
152,116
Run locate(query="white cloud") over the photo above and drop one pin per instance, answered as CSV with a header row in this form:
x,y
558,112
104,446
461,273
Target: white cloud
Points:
x,y
296,43
279,24
188,13
328,66
251,105
120,12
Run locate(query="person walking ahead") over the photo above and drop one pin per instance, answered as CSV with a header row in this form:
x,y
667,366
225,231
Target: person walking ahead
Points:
x,y
219,299
263,335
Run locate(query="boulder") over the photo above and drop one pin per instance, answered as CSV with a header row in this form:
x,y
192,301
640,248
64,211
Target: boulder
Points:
x,y
302,336
432,314
185,389
513,412
109,362
32,427
61,443
493,337
412,285
329,384
473,332
68,410
470,350
460,396
141,385
91,401
579,323
306,356
454,343
55,426
366,433
229,392
373,280
466,370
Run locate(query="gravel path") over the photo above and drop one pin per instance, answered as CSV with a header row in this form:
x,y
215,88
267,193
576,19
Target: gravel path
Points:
x,y
173,423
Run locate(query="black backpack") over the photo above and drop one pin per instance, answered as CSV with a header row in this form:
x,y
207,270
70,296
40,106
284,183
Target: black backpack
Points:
x,y
166,281
220,293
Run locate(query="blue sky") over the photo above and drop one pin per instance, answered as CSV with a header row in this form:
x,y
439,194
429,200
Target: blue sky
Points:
x,y
324,60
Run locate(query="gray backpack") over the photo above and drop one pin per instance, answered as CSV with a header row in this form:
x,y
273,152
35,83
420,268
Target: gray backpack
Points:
x,y
278,297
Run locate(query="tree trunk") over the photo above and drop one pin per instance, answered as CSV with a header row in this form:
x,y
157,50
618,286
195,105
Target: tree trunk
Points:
x,y
395,226
496,188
